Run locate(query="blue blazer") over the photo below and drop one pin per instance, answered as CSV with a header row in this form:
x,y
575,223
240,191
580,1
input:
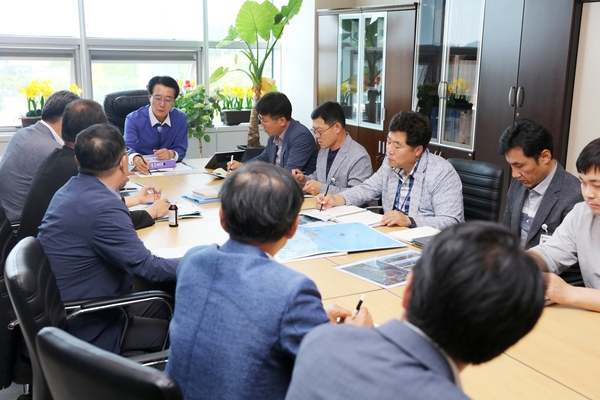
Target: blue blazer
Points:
x,y
239,319
94,251
299,149
389,362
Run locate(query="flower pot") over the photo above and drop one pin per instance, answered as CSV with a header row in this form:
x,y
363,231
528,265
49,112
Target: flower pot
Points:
x,y
347,111
235,117
28,121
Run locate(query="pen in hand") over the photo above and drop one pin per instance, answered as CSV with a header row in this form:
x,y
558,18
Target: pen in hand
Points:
x,y
146,164
332,181
362,298
230,164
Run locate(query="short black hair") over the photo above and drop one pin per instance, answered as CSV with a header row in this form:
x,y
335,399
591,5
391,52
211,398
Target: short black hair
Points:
x,y
529,135
416,126
330,112
99,149
260,202
55,105
79,115
275,105
589,158
475,292
165,81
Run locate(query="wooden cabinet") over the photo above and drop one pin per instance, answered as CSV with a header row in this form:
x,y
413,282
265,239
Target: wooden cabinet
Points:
x,y
396,74
527,71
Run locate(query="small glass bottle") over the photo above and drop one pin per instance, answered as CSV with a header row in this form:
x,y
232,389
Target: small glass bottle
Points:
x,y
173,220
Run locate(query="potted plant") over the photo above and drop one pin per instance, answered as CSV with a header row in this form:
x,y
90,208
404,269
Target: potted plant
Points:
x,y
36,94
237,104
254,21
199,109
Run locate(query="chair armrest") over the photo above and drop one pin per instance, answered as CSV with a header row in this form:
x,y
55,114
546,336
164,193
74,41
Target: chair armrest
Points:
x,y
105,303
150,359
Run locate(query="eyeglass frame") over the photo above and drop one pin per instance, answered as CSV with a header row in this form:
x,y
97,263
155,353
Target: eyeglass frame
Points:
x,y
320,134
165,100
261,121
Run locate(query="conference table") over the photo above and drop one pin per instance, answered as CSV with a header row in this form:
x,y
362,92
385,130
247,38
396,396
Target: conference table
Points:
x,y
558,359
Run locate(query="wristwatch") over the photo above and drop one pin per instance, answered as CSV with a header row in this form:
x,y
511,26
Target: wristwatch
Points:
x,y
413,224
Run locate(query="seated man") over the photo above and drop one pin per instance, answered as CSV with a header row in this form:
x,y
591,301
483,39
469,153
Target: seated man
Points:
x,y
157,128
93,248
473,293
290,144
541,192
416,187
340,157
56,170
26,150
576,239
240,315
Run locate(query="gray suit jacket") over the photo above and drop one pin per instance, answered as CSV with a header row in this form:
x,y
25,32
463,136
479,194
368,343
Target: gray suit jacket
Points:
x,y
436,199
351,167
389,362
562,194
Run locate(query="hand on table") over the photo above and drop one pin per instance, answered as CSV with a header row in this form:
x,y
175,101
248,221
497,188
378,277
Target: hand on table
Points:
x,y
392,218
164,154
160,208
557,289
312,188
140,164
335,313
233,165
327,201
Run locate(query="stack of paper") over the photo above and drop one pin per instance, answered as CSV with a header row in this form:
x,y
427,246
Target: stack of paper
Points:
x,y
207,192
409,235
346,214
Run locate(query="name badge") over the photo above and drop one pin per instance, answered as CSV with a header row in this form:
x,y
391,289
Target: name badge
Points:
x,y
544,238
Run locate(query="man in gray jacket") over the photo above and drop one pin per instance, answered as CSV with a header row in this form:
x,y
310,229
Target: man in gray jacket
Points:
x,y
416,187
340,158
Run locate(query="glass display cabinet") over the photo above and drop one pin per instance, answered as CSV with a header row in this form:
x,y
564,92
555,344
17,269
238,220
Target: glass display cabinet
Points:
x,y
447,70
361,55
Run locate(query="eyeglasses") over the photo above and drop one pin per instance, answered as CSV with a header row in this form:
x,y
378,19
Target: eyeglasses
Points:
x,y
320,134
166,100
263,122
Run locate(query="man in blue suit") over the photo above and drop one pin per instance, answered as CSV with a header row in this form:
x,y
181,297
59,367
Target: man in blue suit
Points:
x,y
240,315
290,145
94,251
473,293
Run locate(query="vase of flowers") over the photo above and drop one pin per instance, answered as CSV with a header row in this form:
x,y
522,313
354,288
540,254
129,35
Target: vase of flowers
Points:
x,y
198,107
36,94
345,99
237,104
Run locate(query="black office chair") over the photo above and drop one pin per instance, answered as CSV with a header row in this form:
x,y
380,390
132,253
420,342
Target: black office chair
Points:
x,y
76,370
118,104
482,188
36,299
13,367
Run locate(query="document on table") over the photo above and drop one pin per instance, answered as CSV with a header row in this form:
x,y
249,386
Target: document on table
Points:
x,y
184,211
180,169
346,214
387,271
409,235
333,239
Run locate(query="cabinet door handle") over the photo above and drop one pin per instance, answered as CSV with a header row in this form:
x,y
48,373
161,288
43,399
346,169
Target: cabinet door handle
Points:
x,y
520,95
511,96
442,89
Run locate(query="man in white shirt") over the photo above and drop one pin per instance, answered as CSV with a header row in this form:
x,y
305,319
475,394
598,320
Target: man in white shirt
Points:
x,y
26,150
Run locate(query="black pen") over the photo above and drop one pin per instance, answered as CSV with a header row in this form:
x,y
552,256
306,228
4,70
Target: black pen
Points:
x,y
332,181
146,164
362,298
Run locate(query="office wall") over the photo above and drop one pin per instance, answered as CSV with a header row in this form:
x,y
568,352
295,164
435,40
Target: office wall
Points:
x,y
584,119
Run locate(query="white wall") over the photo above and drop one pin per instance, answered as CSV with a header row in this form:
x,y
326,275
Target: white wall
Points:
x,y
584,119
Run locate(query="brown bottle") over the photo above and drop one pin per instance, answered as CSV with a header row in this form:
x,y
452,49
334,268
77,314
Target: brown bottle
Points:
x,y
173,220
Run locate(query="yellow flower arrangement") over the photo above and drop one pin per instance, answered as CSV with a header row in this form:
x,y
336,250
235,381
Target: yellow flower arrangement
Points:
x,y
75,89
36,93
236,97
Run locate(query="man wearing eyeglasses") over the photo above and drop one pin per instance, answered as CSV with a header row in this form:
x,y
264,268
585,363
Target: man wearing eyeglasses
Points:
x,y
158,128
290,145
340,157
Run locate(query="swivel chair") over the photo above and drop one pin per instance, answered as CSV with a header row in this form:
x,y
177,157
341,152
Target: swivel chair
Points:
x,y
481,187
77,370
36,299
118,104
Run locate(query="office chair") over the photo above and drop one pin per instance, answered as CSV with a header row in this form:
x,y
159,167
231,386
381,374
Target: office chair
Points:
x,y
36,299
76,370
481,187
13,367
118,104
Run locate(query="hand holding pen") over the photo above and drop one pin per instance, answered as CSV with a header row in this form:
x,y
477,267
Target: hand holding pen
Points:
x,y
331,182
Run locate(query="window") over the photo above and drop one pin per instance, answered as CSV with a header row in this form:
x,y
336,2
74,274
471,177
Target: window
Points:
x,y
58,18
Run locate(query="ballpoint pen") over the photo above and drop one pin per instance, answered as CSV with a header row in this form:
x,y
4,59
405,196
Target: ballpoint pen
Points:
x,y
331,182
146,164
230,164
362,298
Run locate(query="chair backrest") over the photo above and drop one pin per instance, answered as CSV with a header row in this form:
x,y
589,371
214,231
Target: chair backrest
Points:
x,y
482,188
118,104
35,296
76,370
8,338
